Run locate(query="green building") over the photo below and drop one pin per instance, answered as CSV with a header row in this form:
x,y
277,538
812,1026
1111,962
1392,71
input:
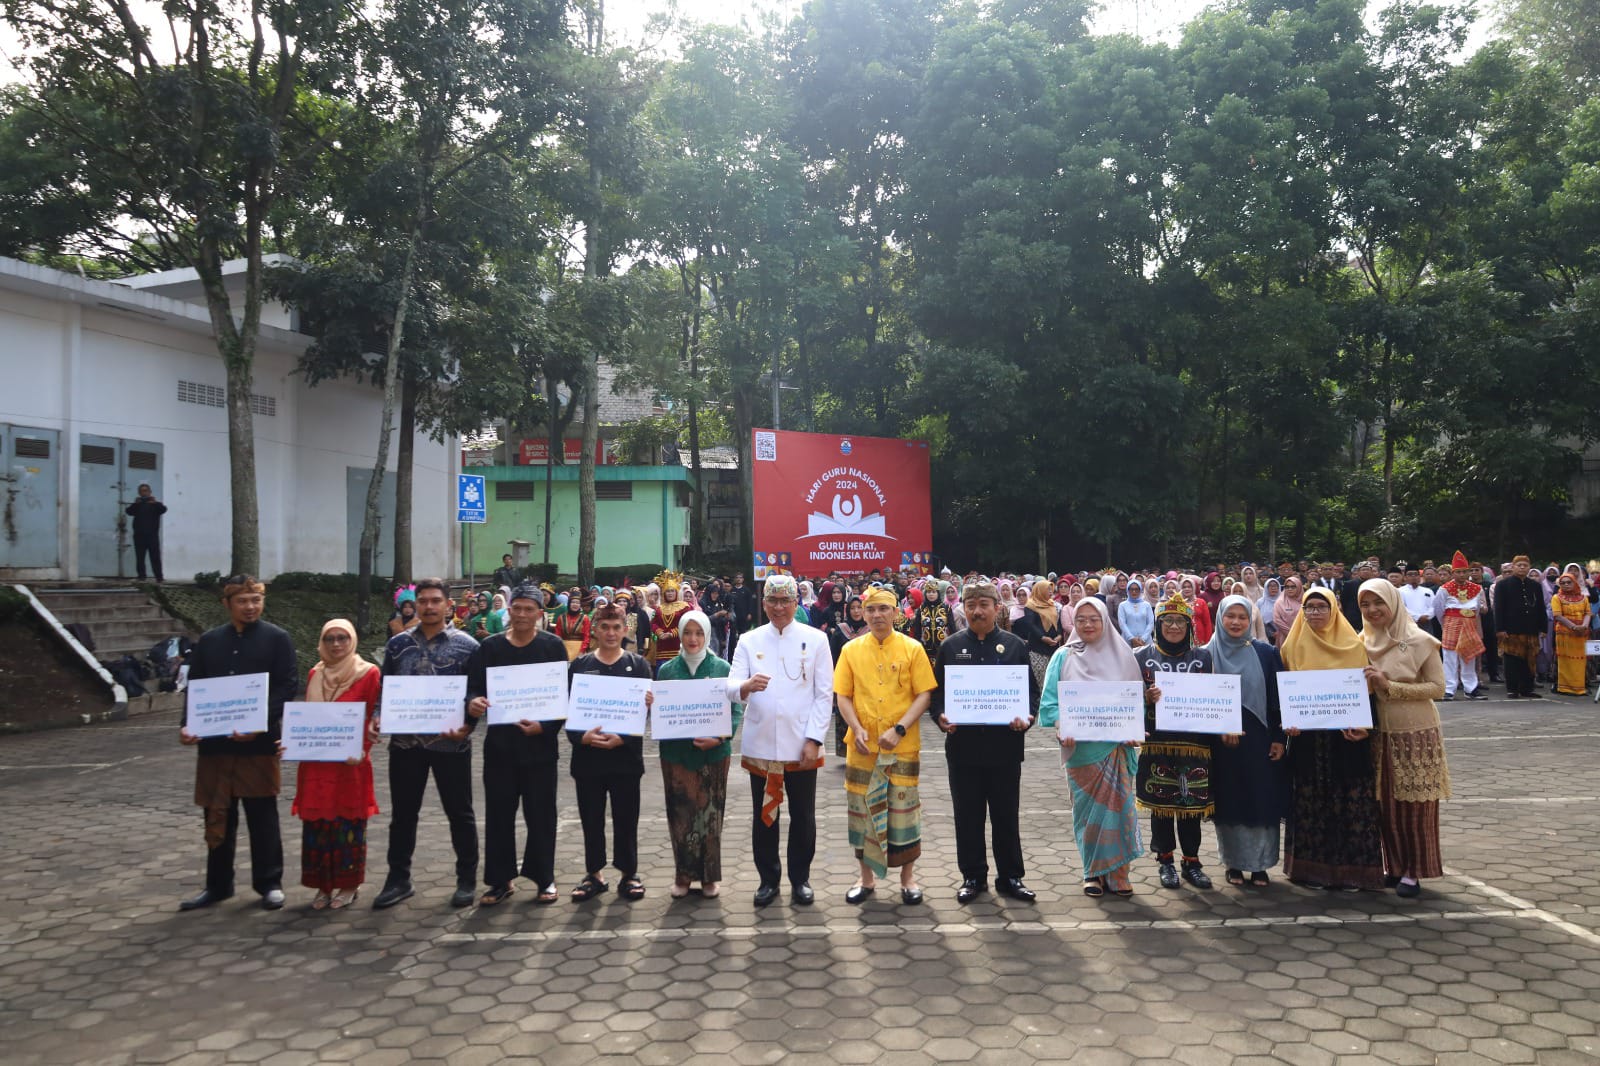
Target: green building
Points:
x,y
641,515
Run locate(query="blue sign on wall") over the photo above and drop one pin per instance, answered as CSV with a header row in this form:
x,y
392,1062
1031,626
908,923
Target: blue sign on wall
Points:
x,y
471,502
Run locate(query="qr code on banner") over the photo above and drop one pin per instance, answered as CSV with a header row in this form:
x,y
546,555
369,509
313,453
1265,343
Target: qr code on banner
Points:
x,y
766,446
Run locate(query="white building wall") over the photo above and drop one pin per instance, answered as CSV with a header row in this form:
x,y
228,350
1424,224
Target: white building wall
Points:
x,y
76,365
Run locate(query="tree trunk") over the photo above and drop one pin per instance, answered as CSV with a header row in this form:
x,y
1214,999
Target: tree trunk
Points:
x,y
391,372
697,518
594,266
1272,542
246,541
1043,536
743,423
404,479
1249,530
554,448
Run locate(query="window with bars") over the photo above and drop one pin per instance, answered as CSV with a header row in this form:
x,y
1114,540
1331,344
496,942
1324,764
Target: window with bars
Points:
x,y
613,490
97,455
141,460
31,448
513,490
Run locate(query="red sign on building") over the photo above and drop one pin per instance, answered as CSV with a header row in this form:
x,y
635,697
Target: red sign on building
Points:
x,y
535,451
850,504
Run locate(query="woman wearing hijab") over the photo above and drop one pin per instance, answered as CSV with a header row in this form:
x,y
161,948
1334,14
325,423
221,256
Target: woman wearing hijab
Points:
x,y
1248,777
1174,777
1287,609
1211,592
1249,585
1136,619
1271,590
695,772
1406,676
335,799
1332,839
1204,624
1040,627
1569,614
1101,775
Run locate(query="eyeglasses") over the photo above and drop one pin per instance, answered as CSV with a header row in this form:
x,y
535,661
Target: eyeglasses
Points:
x,y
1316,608
336,638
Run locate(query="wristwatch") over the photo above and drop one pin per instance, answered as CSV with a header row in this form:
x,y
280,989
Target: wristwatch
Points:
x,y
898,728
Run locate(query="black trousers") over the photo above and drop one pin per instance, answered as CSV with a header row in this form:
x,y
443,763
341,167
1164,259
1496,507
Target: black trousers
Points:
x,y
1519,678
1163,839
997,791
623,792
800,798
151,546
408,780
1491,651
266,848
508,784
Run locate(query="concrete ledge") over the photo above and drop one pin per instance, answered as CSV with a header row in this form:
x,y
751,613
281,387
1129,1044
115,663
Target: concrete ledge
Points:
x,y
119,695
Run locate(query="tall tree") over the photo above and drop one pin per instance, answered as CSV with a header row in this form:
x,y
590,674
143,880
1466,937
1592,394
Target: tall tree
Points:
x,y
197,119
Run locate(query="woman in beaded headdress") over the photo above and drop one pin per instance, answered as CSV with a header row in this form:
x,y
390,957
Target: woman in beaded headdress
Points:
x,y
1174,777
664,624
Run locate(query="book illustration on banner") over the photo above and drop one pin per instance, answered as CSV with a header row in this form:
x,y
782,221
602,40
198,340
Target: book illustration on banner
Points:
x,y
223,706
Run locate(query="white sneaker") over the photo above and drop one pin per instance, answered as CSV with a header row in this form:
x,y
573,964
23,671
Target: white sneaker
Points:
x,y
273,900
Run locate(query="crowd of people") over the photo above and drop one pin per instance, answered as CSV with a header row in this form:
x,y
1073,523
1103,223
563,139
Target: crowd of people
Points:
x,y
863,657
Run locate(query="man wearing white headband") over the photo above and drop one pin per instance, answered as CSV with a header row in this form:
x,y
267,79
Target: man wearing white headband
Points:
x,y
783,674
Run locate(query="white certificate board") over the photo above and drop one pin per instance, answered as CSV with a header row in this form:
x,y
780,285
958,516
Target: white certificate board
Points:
x,y
985,695
223,706
1102,710
425,704
1324,699
615,704
684,710
1199,703
324,732
533,692
1591,647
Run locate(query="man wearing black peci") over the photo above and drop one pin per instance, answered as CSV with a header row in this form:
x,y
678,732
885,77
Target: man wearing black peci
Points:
x,y
985,761
519,758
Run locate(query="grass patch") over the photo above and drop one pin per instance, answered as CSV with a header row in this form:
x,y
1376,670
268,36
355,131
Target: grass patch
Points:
x,y
302,612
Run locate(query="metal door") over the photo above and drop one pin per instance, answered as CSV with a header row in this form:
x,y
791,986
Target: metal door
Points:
x,y
110,471
357,478
30,498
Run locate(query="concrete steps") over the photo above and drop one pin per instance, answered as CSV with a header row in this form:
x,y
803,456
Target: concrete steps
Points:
x,y
122,620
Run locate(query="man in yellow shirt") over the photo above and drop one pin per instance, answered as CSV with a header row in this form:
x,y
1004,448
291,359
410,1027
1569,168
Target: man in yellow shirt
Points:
x,y
883,680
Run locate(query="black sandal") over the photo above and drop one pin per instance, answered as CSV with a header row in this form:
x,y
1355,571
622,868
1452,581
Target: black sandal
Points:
x,y
631,888
1235,877
588,889
1259,879
496,894
1093,887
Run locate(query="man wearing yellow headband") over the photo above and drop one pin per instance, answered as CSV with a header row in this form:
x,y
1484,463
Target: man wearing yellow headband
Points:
x,y
883,680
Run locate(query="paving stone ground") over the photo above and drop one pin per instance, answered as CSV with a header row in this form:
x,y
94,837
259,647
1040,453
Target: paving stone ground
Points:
x,y
1499,962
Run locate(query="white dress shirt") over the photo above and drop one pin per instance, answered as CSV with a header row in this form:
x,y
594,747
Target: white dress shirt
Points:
x,y
1418,600
798,702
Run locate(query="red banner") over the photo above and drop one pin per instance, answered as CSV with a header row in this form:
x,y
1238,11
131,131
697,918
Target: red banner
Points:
x,y
535,451
851,504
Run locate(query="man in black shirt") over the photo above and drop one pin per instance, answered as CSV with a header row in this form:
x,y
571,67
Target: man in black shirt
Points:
x,y
742,611
985,761
146,512
1521,617
507,575
608,766
519,759
242,768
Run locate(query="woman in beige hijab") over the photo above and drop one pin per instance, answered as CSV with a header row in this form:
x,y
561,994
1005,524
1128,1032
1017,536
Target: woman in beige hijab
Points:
x,y
1406,676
